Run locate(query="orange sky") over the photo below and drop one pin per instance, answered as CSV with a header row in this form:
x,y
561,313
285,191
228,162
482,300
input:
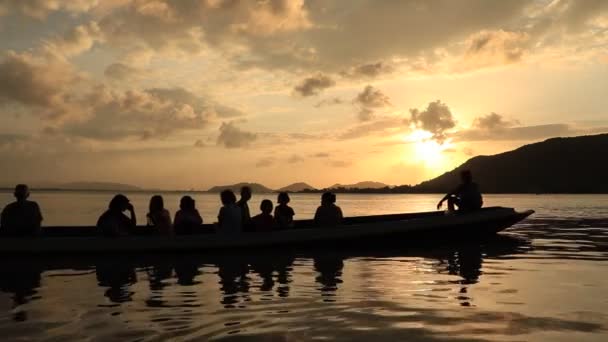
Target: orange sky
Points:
x,y
190,94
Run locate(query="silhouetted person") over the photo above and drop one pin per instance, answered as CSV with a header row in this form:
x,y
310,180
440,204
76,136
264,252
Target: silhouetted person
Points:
x,y
113,222
187,218
158,216
466,196
21,217
264,222
230,218
328,214
242,203
283,214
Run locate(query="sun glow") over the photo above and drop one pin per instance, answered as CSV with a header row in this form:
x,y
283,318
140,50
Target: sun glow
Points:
x,y
428,150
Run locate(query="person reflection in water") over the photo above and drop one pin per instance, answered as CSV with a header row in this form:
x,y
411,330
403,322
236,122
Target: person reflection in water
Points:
x,y
230,219
233,271
21,217
159,218
328,214
329,267
117,276
242,203
264,222
22,280
187,218
466,196
114,222
283,214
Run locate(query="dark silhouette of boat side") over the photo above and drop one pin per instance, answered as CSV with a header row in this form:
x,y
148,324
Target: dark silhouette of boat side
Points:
x,y
368,229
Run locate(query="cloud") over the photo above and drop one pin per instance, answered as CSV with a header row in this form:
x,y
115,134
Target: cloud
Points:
x,y
232,136
493,122
188,26
436,119
380,126
149,114
41,8
369,100
265,162
329,102
120,72
489,48
321,155
30,81
519,133
77,40
340,163
371,70
294,158
313,85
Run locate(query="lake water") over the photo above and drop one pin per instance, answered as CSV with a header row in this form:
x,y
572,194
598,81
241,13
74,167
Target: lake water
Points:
x,y
541,280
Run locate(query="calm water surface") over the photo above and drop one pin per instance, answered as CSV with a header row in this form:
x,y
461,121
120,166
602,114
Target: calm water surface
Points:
x,y
542,280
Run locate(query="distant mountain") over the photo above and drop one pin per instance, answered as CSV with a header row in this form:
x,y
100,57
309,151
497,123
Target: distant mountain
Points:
x,y
297,187
105,186
360,185
558,165
255,188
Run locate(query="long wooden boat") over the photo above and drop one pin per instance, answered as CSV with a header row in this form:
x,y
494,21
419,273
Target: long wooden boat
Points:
x,y
362,229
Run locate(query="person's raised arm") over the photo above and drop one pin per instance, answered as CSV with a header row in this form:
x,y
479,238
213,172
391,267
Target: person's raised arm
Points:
x,y
132,214
445,198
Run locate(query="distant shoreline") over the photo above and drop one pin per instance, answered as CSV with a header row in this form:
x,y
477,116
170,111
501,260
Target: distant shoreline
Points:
x,y
338,191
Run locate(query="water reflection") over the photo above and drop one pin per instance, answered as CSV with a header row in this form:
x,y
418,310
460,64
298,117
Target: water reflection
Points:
x,y
22,281
329,268
394,289
117,276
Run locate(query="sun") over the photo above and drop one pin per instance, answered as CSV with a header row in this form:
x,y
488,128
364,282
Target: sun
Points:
x,y
428,150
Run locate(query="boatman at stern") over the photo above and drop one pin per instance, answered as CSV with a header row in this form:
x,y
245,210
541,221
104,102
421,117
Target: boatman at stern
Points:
x,y
466,196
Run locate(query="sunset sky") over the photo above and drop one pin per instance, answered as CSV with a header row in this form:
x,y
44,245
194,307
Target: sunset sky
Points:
x,y
195,93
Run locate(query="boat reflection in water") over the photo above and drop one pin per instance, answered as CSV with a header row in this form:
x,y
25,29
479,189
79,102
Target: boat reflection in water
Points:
x,y
330,291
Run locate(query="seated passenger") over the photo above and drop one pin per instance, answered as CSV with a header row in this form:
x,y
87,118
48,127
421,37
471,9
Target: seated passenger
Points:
x,y
242,203
466,196
158,216
230,218
283,214
113,222
328,214
187,219
264,222
21,217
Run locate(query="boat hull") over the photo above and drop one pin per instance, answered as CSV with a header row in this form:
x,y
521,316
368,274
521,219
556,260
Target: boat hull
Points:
x,y
400,228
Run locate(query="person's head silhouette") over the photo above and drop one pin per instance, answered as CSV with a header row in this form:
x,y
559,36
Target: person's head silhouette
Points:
x,y
328,198
156,204
119,203
22,192
227,197
246,193
187,203
283,198
466,176
266,206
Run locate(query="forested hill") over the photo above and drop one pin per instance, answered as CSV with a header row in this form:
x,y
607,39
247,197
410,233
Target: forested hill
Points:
x,y
558,165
